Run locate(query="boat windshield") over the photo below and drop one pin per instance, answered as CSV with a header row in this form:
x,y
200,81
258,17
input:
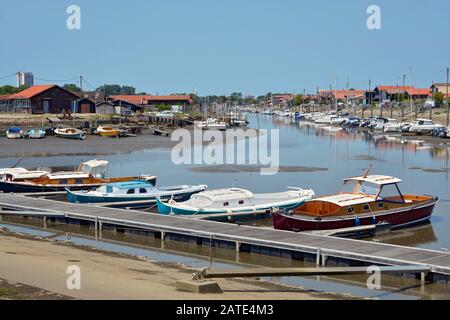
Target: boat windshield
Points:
x,y
352,186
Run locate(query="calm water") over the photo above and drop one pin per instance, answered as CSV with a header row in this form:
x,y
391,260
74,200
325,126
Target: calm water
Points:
x,y
344,154
422,167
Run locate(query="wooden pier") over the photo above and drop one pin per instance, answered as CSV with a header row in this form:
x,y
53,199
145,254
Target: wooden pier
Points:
x,y
322,249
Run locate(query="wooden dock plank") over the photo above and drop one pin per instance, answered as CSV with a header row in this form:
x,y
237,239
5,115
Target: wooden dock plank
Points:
x,y
380,253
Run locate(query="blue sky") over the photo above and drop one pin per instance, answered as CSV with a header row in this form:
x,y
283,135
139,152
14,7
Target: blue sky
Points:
x,y
218,47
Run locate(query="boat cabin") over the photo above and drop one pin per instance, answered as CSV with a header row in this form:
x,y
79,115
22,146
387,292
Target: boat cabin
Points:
x,y
222,198
361,195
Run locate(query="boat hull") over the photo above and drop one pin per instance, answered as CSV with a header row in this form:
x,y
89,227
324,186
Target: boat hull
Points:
x,y
167,209
14,135
397,219
109,134
86,198
17,187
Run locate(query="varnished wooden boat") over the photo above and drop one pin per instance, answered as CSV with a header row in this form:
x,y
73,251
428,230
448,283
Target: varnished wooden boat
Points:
x,y
89,175
62,181
364,200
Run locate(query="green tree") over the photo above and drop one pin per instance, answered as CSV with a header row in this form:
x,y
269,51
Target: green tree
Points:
x,y
71,87
298,100
438,98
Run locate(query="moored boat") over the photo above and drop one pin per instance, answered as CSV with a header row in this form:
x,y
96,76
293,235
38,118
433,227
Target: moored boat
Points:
x,y
363,200
70,133
90,175
108,132
35,134
133,191
212,124
14,133
235,200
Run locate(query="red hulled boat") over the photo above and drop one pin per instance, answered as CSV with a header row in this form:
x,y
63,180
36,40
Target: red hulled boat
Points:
x,y
363,201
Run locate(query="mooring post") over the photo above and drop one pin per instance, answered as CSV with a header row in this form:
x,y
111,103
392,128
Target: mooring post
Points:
x,y
324,260
100,229
163,236
45,222
96,228
318,255
238,246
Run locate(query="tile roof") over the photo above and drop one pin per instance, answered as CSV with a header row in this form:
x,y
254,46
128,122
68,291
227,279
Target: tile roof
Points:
x,y
398,89
145,99
30,92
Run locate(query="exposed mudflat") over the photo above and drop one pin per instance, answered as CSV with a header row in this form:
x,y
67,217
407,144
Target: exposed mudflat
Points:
x,y
253,169
92,146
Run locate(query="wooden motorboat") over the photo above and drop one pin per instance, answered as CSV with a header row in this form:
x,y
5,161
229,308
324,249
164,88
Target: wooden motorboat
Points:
x,y
90,175
233,200
133,191
35,134
363,200
108,132
14,133
70,133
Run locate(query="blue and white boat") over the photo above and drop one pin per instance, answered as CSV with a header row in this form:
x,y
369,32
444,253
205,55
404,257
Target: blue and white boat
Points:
x,y
133,191
14,133
235,200
35,134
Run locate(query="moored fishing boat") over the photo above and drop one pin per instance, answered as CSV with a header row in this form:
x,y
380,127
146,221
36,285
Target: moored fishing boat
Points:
x,y
90,175
363,200
35,134
108,132
70,133
234,200
133,191
212,124
14,133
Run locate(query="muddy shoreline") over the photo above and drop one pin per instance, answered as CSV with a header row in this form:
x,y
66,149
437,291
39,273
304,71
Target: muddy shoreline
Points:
x,y
134,277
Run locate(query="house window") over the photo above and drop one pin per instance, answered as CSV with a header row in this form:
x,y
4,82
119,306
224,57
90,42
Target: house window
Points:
x,y
130,191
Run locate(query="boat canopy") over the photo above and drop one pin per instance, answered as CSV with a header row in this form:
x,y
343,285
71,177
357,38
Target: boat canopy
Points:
x,y
347,199
376,179
131,185
14,130
224,194
96,168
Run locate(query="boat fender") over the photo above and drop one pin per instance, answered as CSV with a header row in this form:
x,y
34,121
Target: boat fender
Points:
x,y
357,222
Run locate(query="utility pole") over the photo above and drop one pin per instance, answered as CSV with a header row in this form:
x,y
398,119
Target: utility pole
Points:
x,y
335,93
370,98
81,83
403,91
410,95
348,106
447,101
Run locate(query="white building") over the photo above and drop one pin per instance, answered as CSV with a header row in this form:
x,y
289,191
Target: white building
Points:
x,y
25,79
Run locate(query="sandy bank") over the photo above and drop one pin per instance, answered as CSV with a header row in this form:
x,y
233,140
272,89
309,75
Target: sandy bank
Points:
x,y
43,264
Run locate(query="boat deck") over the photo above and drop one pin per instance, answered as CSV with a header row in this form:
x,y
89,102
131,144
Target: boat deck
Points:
x,y
320,245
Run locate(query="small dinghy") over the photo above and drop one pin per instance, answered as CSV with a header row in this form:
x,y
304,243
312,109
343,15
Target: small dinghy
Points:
x,y
14,133
108,132
70,133
133,191
234,200
35,134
